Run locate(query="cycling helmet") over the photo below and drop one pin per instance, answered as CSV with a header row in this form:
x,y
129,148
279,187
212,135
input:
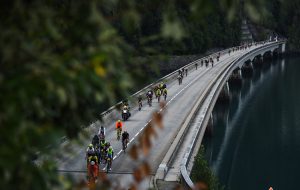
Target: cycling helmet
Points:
x,y
91,146
92,163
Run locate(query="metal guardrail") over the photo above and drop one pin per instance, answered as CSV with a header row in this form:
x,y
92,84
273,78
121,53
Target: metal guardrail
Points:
x,y
221,81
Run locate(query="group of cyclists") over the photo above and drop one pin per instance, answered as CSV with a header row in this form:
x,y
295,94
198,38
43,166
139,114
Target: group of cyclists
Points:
x,y
101,151
159,90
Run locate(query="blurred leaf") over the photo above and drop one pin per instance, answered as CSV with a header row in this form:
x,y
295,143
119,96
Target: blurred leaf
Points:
x,y
133,187
149,130
145,143
157,118
201,186
172,28
146,168
134,152
252,11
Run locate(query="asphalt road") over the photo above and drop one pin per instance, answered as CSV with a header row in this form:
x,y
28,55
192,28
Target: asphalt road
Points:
x,y
179,102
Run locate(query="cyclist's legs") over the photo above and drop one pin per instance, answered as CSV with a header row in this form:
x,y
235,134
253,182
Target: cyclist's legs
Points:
x,y
110,160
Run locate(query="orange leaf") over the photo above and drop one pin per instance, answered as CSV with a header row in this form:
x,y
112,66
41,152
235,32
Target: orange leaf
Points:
x,y
132,187
134,152
102,176
146,168
157,118
138,175
178,187
149,130
145,144
162,105
201,186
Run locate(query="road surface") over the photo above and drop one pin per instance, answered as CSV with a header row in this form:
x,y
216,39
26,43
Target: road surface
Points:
x,y
179,102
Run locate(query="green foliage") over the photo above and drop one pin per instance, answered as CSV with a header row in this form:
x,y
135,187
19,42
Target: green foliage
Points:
x,y
283,17
202,173
62,62
206,26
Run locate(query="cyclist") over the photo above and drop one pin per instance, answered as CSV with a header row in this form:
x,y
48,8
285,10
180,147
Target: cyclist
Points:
x,y
102,144
179,79
102,150
98,153
149,97
149,94
93,158
158,94
160,86
165,93
140,102
95,140
125,139
127,112
93,166
110,155
101,133
90,151
119,126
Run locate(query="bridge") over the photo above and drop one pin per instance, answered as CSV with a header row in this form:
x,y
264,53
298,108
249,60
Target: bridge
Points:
x,y
186,114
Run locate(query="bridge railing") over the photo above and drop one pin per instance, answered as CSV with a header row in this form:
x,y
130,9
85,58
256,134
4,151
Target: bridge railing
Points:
x,y
215,88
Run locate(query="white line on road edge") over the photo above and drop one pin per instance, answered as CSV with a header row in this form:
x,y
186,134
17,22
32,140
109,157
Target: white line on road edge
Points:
x,y
189,84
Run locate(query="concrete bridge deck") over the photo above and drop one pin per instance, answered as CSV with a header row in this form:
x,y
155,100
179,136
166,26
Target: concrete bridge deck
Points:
x,y
180,103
